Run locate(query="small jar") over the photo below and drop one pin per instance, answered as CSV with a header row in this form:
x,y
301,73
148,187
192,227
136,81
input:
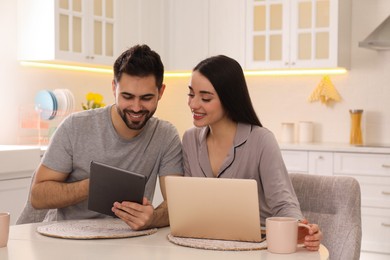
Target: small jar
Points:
x,y
356,129
306,129
287,133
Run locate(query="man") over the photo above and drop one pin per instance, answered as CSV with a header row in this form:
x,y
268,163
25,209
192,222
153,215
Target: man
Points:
x,y
125,135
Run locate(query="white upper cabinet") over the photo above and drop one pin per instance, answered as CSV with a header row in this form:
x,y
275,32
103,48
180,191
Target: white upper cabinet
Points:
x,y
259,34
227,29
143,22
68,31
187,35
291,34
204,28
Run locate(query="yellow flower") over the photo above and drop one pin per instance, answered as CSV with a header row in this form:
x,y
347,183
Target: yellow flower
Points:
x,y
90,96
94,100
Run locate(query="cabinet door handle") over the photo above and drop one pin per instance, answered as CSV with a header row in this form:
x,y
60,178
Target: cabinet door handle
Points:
x,y
386,224
320,157
386,192
386,165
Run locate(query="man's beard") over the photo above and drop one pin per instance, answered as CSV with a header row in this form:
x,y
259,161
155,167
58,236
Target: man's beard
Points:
x,y
135,125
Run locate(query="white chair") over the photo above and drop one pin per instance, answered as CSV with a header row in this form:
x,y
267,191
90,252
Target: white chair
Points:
x,y
332,202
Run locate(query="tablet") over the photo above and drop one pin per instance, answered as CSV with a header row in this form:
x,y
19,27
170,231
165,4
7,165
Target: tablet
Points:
x,y
108,184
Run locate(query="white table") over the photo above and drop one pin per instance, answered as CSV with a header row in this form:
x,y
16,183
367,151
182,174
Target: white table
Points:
x,y
25,243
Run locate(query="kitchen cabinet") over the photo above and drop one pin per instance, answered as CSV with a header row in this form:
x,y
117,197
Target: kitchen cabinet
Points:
x,y
187,33
69,31
17,165
144,22
373,173
227,29
296,161
320,163
203,28
292,34
13,194
371,167
310,162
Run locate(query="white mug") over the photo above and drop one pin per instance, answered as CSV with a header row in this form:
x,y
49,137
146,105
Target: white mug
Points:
x,y
282,234
4,228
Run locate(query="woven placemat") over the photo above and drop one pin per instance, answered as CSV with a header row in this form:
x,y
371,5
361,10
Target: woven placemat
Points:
x,y
91,229
213,244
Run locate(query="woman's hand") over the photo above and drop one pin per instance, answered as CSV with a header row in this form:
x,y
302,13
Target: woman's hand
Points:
x,y
311,237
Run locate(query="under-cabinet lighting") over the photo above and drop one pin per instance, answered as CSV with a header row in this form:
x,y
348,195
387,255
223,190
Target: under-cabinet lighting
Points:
x,y
65,67
179,74
300,72
171,74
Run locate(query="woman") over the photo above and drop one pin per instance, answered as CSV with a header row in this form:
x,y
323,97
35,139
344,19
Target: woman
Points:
x,y
228,141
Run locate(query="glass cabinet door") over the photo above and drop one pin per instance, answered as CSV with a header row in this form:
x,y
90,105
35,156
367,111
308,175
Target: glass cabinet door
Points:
x,y
293,33
86,30
103,28
268,33
310,35
71,21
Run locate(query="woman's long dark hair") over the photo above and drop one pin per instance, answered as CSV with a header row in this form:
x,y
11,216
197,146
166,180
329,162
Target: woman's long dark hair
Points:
x,y
228,80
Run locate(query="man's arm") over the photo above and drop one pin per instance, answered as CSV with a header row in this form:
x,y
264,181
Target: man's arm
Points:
x,y
49,189
160,214
140,217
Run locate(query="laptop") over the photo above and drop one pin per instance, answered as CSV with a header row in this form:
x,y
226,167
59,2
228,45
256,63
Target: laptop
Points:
x,y
108,184
213,208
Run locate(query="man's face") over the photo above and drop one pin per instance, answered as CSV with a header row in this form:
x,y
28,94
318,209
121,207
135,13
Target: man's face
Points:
x,y
136,99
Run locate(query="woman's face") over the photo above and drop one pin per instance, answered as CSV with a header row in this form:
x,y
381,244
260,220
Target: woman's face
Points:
x,y
204,102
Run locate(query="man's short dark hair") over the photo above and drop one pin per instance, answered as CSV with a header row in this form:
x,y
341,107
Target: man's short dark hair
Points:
x,y
139,61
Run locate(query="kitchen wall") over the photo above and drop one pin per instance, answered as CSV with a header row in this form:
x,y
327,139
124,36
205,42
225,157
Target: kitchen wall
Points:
x,y
276,99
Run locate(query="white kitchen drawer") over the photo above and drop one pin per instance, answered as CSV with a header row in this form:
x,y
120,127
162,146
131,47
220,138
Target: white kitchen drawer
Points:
x,y
376,230
362,164
321,163
375,191
295,161
373,256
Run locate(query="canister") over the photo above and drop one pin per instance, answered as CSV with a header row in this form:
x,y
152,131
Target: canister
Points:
x,y
356,129
305,132
287,132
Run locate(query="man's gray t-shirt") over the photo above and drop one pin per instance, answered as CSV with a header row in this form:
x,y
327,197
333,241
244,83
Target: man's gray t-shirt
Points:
x,y
90,136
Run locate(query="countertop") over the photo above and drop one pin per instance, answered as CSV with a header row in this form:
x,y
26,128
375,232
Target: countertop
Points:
x,y
41,149
294,146
18,161
331,147
18,147
336,147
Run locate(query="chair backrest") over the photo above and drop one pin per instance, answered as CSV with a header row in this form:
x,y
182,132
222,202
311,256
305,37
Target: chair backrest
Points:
x,y
333,202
